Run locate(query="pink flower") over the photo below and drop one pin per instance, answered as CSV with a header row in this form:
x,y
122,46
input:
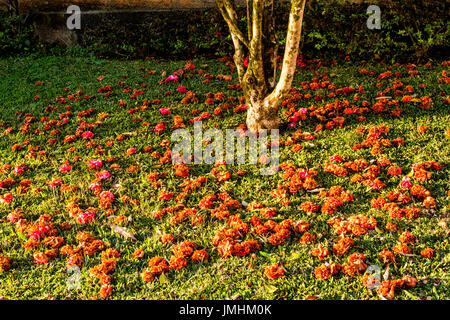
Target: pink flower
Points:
x,y
86,217
294,118
107,195
164,111
95,186
65,168
336,158
103,175
87,135
182,89
18,171
303,110
302,173
406,183
172,77
43,229
95,164
40,233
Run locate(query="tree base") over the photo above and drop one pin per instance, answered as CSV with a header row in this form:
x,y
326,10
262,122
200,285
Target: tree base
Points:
x,y
260,116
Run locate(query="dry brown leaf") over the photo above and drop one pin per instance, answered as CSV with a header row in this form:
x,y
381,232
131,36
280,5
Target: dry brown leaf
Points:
x,y
124,232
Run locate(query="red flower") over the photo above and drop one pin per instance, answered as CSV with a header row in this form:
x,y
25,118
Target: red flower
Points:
x,y
336,158
105,291
131,151
6,199
182,89
54,182
165,196
40,258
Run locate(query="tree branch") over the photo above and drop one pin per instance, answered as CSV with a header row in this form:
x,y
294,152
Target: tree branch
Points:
x,y
228,12
256,60
270,44
249,19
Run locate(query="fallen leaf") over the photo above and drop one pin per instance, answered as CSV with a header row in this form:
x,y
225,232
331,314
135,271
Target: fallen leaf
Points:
x,y
123,231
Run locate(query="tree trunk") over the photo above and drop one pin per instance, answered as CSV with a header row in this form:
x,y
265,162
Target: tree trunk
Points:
x,y
262,93
261,115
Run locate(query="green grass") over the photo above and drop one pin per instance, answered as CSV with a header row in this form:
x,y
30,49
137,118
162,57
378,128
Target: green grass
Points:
x,y
219,278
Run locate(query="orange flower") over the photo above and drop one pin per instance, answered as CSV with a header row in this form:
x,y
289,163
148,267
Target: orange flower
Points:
x,y
422,129
181,170
309,207
323,272
274,271
307,238
391,227
320,252
268,212
41,258
296,148
343,245
223,175
407,237
5,263
200,256
177,263
401,249
110,253
429,202
74,260
138,253
427,252
394,170
147,276
105,291
357,259
386,256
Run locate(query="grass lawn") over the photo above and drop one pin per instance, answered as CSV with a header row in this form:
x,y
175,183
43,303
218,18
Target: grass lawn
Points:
x,y
347,142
